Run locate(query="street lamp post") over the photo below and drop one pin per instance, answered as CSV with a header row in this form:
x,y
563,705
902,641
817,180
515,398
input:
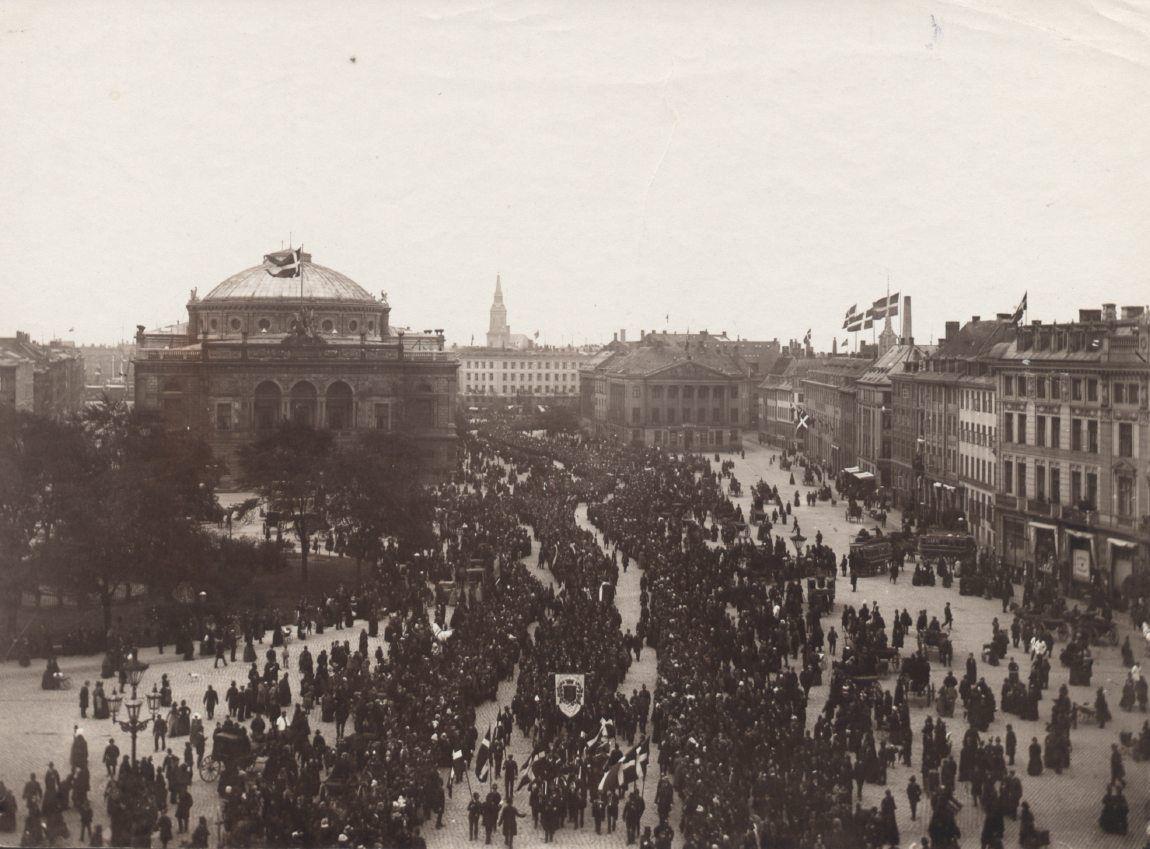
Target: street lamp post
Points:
x,y
134,670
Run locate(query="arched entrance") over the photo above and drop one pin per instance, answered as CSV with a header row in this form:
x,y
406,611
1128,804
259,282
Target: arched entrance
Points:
x,y
267,405
304,404
338,404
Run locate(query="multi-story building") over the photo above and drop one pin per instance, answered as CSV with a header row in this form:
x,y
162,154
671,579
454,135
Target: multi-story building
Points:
x,y
1075,446
44,379
268,345
875,400
687,396
779,397
108,370
831,410
511,373
978,451
927,445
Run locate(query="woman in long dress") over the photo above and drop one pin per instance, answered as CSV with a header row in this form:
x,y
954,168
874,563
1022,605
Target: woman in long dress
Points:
x,y
1034,766
100,702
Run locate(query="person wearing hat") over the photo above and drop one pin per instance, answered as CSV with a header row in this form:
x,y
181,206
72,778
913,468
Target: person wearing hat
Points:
x,y
509,818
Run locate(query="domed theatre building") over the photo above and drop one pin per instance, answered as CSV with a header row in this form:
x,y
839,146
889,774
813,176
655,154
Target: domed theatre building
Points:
x,y
292,340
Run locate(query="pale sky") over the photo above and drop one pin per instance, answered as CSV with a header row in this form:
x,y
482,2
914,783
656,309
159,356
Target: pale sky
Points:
x,y
754,167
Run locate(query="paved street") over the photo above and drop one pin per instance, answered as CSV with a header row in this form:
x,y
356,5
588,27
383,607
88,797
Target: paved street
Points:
x,y
36,726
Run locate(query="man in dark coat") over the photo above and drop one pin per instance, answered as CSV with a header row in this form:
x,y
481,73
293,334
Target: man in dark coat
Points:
x,y
633,814
509,820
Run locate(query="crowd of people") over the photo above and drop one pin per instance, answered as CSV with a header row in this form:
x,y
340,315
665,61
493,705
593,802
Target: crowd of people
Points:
x,y
726,732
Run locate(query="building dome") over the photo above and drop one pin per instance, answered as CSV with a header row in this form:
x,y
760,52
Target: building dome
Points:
x,y
273,280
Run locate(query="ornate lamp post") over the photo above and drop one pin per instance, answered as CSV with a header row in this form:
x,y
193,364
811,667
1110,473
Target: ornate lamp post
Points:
x,y
134,670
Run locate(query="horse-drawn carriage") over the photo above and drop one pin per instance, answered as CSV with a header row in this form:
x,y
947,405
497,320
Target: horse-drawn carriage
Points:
x,y
934,642
952,547
915,676
854,512
870,554
1097,630
229,748
821,591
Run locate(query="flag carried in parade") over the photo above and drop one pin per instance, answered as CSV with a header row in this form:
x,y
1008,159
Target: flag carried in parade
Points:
x,y
284,263
569,692
483,757
528,773
635,762
1019,310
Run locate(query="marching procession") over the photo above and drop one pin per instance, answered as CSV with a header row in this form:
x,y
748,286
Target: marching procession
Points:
x,y
598,633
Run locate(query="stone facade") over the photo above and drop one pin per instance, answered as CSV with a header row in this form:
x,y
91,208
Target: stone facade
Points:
x,y
685,397
250,358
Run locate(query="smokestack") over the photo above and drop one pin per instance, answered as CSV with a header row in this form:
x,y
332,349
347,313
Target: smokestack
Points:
x,y
907,329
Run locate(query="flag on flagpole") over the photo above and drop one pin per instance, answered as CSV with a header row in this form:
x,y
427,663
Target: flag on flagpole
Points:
x,y
284,263
1019,310
884,306
483,756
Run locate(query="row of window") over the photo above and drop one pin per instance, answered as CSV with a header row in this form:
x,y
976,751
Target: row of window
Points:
x,y
539,365
689,391
485,376
1081,389
682,439
979,469
977,400
1083,433
688,415
977,434
1047,482
267,325
535,389
337,416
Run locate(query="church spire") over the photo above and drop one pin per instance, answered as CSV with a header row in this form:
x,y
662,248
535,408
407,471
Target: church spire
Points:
x,y
498,332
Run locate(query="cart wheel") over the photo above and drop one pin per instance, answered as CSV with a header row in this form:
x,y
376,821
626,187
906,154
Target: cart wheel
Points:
x,y
209,769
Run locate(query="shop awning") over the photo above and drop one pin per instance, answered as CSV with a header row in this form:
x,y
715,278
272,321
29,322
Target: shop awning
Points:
x,y
1123,543
1080,534
864,476
853,470
1044,526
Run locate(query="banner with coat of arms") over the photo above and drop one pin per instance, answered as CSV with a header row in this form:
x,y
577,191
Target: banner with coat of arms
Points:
x,y
569,692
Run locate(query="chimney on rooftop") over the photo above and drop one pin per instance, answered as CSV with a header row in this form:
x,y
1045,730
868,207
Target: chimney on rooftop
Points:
x,y
907,330
951,330
1109,312
975,319
623,335
614,337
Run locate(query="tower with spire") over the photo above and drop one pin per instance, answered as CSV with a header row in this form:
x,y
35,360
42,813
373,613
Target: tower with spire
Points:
x,y
498,331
